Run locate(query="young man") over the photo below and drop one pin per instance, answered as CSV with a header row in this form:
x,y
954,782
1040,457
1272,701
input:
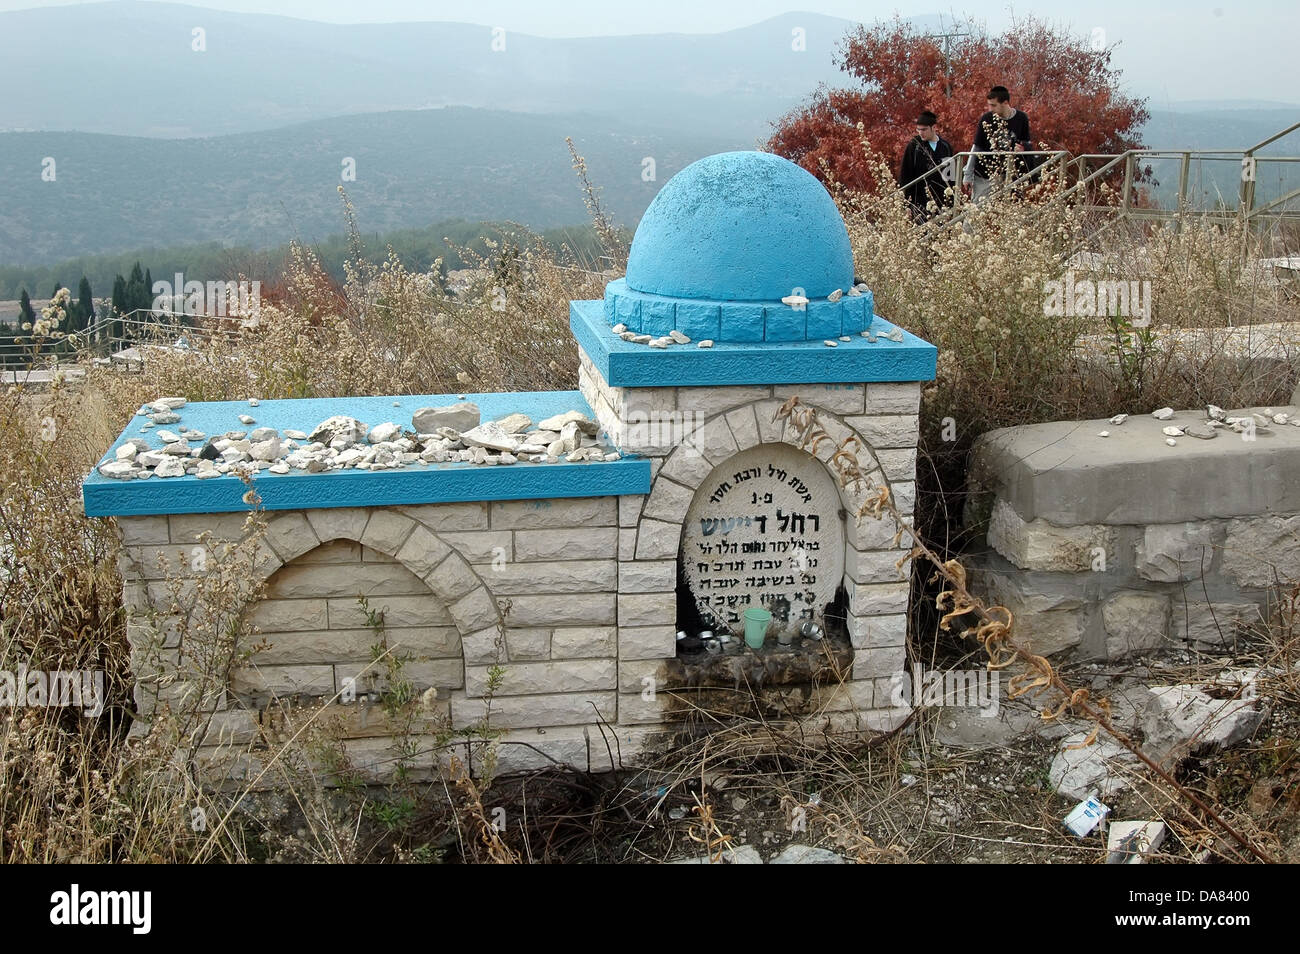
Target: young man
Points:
x,y
1002,129
930,156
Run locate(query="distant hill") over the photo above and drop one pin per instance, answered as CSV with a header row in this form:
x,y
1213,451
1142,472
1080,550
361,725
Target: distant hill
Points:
x,y
113,193
128,68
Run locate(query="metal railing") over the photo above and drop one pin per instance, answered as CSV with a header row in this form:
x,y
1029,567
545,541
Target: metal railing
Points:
x,y
113,339
1082,179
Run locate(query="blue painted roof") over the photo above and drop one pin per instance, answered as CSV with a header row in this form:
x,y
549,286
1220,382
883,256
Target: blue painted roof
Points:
x,y
416,483
741,226
626,364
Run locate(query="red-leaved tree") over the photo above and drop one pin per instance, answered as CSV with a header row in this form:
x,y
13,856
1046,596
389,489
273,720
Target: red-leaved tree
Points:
x,y
1067,88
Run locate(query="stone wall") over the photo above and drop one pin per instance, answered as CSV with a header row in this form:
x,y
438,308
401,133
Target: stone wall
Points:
x,y
1107,547
530,585
687,432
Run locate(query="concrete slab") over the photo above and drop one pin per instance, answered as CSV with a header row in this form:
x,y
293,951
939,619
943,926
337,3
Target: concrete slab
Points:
x,y
1065,473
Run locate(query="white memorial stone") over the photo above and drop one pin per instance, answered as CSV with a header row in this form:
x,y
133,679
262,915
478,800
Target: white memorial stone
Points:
x,y
764,530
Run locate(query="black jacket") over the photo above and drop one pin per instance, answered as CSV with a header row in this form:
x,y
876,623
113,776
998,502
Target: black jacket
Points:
x,y
994,134
920,160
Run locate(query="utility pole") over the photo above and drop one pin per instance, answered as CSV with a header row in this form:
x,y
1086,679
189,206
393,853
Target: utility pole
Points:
x,y
947,61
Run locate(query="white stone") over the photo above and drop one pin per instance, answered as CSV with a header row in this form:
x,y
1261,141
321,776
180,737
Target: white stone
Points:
x,y
460,417
1163,414
382,433
556,423
1098,769
489,435
119,469
345,430
803,507
1119,419
1183,720
706,343
170,467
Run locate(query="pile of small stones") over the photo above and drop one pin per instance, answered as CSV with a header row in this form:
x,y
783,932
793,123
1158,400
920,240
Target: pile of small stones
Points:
x,y
452,434
1216,419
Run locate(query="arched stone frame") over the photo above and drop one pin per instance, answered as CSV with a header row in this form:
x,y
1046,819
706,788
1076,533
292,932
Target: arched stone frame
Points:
x,y
409,541
878,590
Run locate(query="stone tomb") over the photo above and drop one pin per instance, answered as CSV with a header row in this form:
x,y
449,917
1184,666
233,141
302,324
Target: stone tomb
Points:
x,y
570,573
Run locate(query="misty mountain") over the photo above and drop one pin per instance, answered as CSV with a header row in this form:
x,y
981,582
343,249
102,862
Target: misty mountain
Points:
x,y
112,193
130,69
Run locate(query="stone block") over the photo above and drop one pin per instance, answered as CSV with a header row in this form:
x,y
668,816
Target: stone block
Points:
x,y
541,678
452,579
647,609
647,642
657,540
571,576
579,543
783,323
1135,622
531,711
450,516
422,551
140,531
543,514
263,682
1263,551
893,397
1039,545
742,321
878,599
886,430
647,576
344,580
879,663
584,642
714,400
698,320
1177,552
528,644
576,609
876,566
425,610
877,632
1212,625
836,398
338,523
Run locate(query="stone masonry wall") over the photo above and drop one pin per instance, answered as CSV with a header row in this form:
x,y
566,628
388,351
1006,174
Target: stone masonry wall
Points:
x,y
1108,591
531,585
686,432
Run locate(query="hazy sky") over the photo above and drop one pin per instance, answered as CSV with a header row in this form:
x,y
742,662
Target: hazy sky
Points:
x,y
1170,51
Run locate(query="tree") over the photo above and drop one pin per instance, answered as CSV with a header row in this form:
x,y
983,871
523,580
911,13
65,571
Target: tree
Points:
x,y
137,296
85,305
1068,89
26,314
118,299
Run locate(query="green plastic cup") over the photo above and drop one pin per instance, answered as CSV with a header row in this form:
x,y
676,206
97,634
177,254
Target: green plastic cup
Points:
x,y
756,620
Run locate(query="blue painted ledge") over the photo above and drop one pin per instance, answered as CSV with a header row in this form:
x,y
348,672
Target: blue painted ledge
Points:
x,y
625,364
413,484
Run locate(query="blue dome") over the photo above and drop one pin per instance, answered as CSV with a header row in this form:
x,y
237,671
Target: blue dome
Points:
x,y
741,226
